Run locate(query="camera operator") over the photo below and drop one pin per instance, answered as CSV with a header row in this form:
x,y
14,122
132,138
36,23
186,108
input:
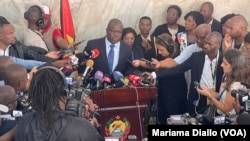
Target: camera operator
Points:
x,y
49,120
234,67
7,123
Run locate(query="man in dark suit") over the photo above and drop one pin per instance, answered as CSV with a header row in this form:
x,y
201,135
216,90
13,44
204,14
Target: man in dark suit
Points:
x,y
207,10
122,52
199,64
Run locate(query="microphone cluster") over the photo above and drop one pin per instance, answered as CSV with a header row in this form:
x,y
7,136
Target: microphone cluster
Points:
x,y
104,81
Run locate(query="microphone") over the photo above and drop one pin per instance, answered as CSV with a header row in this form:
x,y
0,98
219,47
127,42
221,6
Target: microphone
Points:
x,y
92,54
136,80
99,79
89,65
118,76
106,80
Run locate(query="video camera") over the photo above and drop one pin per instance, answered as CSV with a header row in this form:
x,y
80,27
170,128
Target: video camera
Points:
x,y
244,98
75,95
243,95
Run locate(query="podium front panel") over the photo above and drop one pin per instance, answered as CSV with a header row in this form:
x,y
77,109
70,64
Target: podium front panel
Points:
x,y
121,110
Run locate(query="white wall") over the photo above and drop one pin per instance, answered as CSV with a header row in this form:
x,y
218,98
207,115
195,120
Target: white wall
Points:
x,y
91,16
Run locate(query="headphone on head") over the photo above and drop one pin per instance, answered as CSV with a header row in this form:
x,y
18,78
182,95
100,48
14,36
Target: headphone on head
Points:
x,y
169,47
64,90
39,20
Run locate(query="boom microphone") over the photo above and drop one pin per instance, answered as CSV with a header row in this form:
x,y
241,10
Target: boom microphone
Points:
x,y
118,76
89,65
92,54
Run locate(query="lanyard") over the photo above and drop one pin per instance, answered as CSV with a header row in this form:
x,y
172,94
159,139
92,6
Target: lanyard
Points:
x,y
214,71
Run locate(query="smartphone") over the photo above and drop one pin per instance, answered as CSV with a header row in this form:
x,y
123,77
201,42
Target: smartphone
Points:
x,y
147,61
78,43
197,84
130,61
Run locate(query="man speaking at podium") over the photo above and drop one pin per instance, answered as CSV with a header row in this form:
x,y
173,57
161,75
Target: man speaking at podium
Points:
x,y
114,53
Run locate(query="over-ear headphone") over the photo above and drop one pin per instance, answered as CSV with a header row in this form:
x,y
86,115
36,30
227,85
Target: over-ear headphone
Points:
x,y
40,20
169,47
64,90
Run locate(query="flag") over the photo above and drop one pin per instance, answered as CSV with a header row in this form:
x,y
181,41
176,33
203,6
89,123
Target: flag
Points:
x,y
67,24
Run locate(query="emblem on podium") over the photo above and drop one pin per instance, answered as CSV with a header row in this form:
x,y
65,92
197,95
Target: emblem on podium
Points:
x,y
117,127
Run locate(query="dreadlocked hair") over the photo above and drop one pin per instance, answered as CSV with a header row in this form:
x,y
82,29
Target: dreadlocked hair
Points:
x,y
44,94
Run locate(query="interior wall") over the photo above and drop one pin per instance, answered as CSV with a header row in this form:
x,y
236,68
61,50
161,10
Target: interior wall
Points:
x,y
91,16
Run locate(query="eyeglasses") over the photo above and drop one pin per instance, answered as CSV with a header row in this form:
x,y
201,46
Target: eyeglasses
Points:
x,y
172,14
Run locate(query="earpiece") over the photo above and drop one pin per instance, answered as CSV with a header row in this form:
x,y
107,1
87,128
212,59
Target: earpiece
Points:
x,y
40,19
169,47
64,89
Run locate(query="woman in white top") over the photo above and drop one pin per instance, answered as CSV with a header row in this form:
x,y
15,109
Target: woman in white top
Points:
x,y
234,67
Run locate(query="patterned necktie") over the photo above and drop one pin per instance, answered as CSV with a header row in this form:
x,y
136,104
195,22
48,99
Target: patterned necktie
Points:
x,y
111,58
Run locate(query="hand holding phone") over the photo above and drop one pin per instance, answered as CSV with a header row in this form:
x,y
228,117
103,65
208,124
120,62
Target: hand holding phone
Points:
x,y
197,85
147,61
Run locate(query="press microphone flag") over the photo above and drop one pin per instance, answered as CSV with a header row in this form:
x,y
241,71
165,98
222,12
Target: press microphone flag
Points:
x,y
92,54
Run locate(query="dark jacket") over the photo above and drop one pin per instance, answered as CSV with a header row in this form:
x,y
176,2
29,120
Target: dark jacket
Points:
x,y
101,61
19,50
66,128
164,29
195,63
216,26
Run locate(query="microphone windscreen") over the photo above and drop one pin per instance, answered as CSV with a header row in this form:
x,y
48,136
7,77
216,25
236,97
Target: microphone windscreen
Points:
x,y
95,53
118,75
90,63
99,76
106,78
133,77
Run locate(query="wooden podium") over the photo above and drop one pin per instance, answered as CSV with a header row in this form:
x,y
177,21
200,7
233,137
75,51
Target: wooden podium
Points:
x,y
121,110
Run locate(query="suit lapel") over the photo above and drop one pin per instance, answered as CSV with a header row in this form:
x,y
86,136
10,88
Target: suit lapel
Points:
x,y
219,71
104,57
122,49
201,63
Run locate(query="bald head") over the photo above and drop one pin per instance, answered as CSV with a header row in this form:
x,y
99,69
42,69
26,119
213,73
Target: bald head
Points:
x,y
216,36
203,28
5,61
239,21
201,32
15,74
7,95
